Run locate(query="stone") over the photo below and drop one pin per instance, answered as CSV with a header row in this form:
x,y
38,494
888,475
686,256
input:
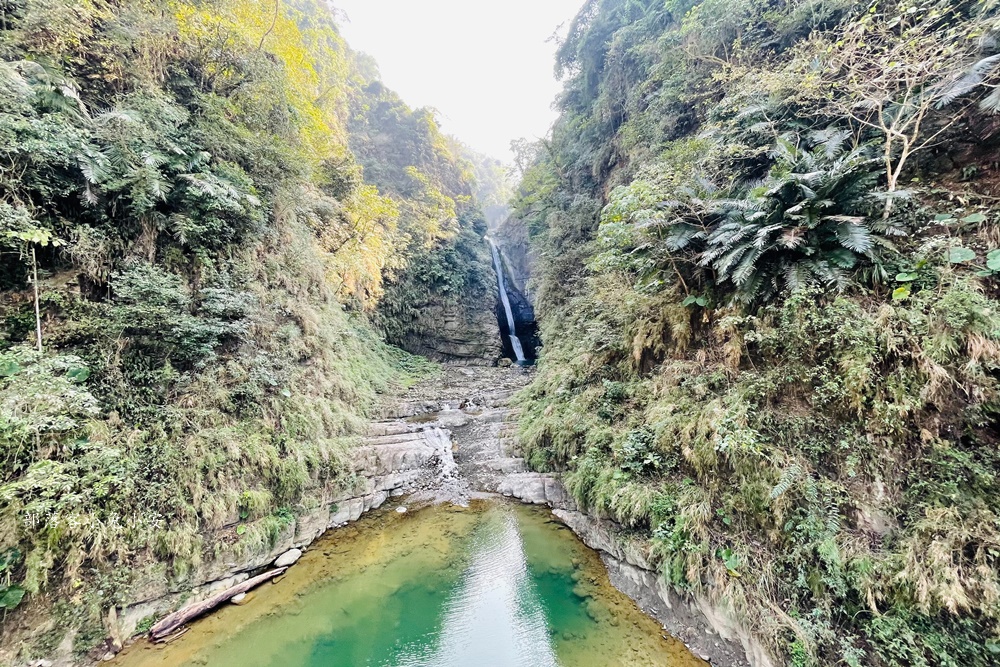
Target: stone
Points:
x,y
239,599
311,525
464,331
453,419
111,624
288,558
400,510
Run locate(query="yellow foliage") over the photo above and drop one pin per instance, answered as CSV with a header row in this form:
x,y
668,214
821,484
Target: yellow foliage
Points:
x,y
314,63
358,267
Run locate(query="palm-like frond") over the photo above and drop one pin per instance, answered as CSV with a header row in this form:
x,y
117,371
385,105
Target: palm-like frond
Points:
x,y
974,77
803,225
991,102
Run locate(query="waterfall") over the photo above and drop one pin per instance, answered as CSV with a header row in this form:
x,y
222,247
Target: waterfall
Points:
x,y
515,342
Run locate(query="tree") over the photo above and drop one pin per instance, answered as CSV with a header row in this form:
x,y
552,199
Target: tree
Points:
x,y
526,154
886,75
32,238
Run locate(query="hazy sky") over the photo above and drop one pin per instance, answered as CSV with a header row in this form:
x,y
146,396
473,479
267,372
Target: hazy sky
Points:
x,y
485,65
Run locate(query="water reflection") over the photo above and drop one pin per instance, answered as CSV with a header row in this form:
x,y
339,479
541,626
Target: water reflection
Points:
x,y
495,616
492,585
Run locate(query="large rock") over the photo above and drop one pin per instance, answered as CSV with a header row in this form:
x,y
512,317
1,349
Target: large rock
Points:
x,y
537,489
289,558
310,525
455,332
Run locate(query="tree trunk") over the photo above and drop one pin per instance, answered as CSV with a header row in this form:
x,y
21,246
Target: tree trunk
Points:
x,y
179,618
38,312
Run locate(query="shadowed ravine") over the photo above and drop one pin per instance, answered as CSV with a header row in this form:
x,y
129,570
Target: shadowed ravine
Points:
x,y
494,584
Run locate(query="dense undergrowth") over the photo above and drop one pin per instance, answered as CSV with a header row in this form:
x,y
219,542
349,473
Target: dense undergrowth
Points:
x,y
767,280
220,200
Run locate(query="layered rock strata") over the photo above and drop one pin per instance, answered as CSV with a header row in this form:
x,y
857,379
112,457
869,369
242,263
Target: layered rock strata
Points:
x,y
396,458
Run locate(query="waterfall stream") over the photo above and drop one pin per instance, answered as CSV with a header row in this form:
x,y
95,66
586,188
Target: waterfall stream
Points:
x,y
515,342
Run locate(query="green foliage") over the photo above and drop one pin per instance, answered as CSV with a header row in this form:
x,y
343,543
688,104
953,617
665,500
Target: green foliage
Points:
x,y
440,226
961,255
783,453
636,454
10,595
805,224
44,405
205,187
761,353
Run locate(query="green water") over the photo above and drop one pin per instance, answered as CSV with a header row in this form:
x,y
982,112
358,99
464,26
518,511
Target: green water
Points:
x,y
492,585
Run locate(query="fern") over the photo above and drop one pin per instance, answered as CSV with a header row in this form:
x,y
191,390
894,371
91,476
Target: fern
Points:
x,y
789,476
803,225
976,75
991,102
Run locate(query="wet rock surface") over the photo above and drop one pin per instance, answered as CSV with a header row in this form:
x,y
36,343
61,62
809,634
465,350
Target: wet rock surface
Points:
x,y
472,405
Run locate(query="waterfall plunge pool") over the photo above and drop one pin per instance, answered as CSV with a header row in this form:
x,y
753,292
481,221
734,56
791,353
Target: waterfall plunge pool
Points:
x,y
494,584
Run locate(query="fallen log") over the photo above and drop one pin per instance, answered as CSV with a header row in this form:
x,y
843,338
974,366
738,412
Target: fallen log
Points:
x,y
169,638
179,618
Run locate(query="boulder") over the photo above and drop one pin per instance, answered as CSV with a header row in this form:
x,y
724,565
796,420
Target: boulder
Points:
x,y
288,558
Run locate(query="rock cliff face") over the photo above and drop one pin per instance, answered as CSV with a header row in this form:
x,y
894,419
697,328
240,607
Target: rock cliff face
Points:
x,y
511,238
458,332
444,305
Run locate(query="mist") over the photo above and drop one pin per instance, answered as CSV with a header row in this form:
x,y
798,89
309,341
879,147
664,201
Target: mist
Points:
x,y
487,68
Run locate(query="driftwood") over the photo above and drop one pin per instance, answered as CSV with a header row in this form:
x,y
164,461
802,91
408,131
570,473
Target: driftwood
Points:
x,y
177,635
179,618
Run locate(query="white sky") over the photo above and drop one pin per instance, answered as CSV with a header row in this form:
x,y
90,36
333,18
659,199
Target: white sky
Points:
x,y
485,65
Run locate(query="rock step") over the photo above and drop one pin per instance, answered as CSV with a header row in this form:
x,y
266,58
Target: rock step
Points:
x,y
378,429
508,466
538,489
409,409
395,439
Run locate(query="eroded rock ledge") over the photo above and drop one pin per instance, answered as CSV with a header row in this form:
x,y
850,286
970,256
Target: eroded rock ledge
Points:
x,y
395,459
